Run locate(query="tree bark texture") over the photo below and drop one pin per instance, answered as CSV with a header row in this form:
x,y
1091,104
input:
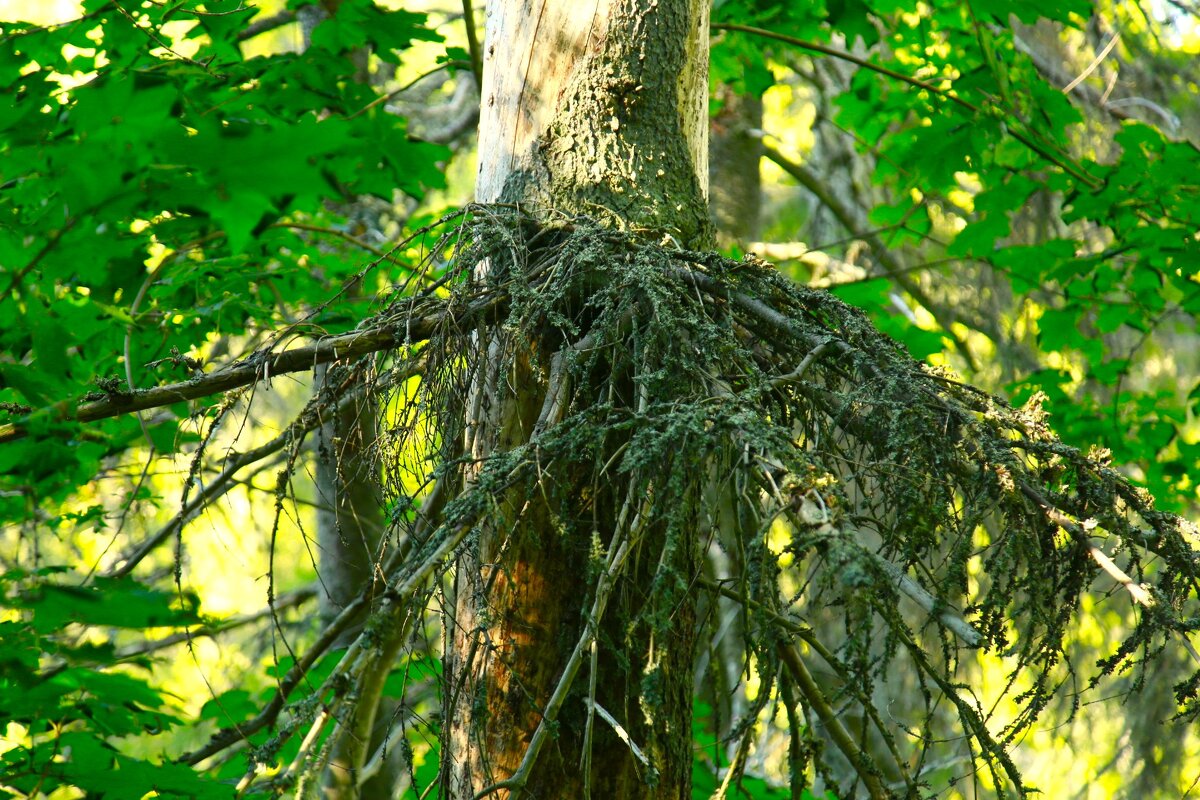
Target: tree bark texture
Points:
x,y
350,526
350,514
600,112
596,111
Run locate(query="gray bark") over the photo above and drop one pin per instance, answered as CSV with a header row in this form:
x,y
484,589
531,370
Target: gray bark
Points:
x,y
350,519
734,153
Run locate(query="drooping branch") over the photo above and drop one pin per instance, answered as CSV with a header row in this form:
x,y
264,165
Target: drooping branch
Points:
x,y
887,477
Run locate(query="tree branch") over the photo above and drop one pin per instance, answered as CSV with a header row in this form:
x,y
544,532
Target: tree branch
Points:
x,y
267,24
894,269
616,563
261,366
473,42
234,733
837,731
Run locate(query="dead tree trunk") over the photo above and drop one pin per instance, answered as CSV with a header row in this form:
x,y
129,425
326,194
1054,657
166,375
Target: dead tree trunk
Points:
x,y
601,115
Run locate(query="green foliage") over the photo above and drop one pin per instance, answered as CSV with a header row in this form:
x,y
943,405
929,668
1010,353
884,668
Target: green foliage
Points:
x,y
75,697
1125,260
153,175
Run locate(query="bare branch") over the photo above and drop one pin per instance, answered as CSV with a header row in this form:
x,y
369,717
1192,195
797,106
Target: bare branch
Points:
x,y
841,737
386,334
267,24
473,41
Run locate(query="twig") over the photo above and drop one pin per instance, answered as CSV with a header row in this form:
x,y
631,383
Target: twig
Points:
x,y
1136,590
294,598
618,729
383,98
212,491
841,737
737,766
266,24
917,593
227,736
558,385
473,42
835,52
51,242
224,481
1092,66
806,363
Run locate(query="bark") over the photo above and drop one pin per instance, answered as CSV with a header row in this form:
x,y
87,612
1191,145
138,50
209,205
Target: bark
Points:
x,y
603,115
734,153
350,517
350,524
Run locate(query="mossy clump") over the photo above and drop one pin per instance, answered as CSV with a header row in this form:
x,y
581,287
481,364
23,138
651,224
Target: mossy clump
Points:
x,y
747,419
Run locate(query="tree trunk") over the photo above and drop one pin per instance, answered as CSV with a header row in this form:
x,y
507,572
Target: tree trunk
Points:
x,y
350,517
604,116
350,523
734,153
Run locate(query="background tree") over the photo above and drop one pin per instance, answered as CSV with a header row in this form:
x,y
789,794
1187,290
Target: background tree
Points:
x,y
623,443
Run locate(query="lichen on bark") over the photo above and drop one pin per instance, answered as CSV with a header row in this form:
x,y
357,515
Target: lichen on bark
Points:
x,y
608,118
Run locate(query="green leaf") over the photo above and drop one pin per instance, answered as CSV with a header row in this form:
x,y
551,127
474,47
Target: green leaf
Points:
x,y
1112,316
230,707
109,602
35,386
1058,329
